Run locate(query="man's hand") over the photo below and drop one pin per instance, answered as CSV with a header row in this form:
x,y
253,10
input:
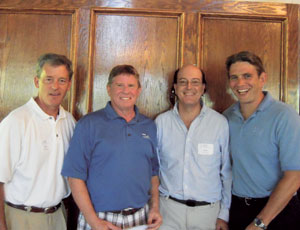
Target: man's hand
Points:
x,y
221,225
154,219
104,225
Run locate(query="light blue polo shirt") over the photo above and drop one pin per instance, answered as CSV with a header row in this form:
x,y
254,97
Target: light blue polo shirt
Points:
x,y
263,146
116,159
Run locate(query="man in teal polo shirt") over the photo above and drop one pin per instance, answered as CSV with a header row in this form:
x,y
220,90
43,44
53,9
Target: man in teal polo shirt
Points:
x,y
265,149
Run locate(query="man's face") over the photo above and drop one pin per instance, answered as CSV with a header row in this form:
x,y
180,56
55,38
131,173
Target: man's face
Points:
x,y
189,87
245,82
52,85
123,91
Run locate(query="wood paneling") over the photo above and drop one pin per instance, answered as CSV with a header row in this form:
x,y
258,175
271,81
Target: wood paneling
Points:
x,y
154,36
24,36
80,87
149,42
225,35
182,5
292,67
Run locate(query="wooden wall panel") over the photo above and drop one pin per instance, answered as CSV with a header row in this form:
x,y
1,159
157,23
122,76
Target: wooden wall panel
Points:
x,y
225,35
24,36
148,42
292,57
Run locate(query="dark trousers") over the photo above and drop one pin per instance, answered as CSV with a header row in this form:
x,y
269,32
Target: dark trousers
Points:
x,y
243,211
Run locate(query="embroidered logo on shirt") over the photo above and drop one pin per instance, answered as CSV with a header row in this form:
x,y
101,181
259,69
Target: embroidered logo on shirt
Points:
x,y
144,135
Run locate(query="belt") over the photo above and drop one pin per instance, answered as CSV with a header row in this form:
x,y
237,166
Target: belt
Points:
x,y
34,209
190,203
127,211
249,200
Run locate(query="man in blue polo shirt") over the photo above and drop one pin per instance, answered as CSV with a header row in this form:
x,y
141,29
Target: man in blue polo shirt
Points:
x,y
265,149
112,162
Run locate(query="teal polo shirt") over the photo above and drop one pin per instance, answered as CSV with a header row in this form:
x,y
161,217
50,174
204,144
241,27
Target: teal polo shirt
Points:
x,y
263,146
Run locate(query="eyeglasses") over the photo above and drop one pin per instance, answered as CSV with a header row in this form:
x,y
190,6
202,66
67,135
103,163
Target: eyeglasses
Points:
x,y
185,82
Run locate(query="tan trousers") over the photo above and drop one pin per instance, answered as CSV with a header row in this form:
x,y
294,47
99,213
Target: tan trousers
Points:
x,y
178,216
17,219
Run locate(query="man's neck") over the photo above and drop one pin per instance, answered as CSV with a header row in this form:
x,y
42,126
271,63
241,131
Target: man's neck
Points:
x,y
247,109
128,115
188,113
50,111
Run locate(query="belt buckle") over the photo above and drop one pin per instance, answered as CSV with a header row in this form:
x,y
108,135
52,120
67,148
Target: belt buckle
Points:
x,y
247,199
27,208
126,211
191,203
46,210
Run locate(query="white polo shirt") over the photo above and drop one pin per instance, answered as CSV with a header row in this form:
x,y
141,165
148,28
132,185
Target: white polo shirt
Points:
x,y
32,149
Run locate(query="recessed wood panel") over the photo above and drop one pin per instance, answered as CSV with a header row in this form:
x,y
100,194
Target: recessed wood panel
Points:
x,y
223,36
149,43
23,38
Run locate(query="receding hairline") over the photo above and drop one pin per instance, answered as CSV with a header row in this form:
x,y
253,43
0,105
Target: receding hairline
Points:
x,y
187,66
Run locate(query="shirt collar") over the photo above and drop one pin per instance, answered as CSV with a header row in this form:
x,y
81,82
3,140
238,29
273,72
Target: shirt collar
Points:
x,y
202,112
112,114
32,103
266,102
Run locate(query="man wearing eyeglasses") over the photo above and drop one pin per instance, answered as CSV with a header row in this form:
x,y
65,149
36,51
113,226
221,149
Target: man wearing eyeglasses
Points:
x,y
195,170
33,141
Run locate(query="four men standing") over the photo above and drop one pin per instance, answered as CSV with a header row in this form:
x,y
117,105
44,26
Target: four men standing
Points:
x,y
113,167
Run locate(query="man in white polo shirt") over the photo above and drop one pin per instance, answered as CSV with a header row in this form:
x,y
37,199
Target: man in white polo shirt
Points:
x,y
34,139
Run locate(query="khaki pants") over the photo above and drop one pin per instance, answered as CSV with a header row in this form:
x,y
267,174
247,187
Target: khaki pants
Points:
x,y
17,219
178,216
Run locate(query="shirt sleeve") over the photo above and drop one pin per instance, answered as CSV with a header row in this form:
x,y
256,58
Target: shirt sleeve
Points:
x,y
11,130
288,136
226,175
155,164
79,153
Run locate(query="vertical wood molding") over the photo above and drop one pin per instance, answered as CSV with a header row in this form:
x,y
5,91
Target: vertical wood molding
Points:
x,y
298,57
190,39
81,71
292,56
73,55
91,61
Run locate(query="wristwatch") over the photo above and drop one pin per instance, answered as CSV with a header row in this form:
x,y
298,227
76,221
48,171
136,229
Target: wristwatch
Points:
x,y
259,223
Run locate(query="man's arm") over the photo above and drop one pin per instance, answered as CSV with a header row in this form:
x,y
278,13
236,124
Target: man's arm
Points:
x,y
83,201
2,215
279,198
154,219
226,180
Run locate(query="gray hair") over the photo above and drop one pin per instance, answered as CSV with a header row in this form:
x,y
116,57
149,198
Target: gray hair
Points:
x,y
53,60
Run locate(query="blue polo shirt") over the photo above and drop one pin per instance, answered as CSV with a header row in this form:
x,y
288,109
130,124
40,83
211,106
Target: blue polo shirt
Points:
x,y
116,159
263,146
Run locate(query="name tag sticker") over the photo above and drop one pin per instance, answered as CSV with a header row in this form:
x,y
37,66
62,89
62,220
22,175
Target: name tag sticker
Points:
x,y
205,149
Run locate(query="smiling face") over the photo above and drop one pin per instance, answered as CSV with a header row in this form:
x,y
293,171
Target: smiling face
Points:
x,y
52,85
123,91
189,87
246,84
